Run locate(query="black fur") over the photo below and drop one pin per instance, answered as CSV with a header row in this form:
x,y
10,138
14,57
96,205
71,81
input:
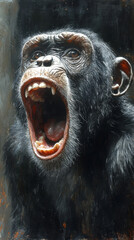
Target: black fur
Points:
x,y
91,194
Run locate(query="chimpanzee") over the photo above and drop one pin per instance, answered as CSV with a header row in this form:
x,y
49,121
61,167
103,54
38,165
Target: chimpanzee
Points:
x,y
69,155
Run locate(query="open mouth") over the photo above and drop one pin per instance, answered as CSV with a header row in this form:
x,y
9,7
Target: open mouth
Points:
x,y
48,117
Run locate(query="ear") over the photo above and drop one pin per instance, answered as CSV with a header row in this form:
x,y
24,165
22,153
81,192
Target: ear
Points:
x,y
122,76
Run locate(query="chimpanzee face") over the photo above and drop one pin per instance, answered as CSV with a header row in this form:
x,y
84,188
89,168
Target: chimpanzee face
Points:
x,y
48,63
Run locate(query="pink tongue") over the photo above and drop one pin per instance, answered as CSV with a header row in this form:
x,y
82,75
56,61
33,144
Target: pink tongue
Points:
x,y
54,130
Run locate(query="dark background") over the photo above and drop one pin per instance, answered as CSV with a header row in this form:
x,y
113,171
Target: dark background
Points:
x,y
112,19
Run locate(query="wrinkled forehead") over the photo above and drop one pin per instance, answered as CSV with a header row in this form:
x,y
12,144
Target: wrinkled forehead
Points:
x,y
70,38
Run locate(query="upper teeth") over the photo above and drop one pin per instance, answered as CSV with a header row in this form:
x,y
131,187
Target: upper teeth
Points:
x,y
42,85
36,86
53,90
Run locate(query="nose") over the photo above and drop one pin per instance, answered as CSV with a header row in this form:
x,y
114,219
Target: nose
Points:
x,y
45,61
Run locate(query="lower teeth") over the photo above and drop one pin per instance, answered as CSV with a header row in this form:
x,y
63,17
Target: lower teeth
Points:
x,y
47,150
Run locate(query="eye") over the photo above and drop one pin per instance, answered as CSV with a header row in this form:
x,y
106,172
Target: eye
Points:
x,y
73,53
36,55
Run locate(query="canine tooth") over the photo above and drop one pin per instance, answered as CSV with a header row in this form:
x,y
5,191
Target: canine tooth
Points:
x,y
53,90
36,144
35,85
26,93
61,141
42,85
29,88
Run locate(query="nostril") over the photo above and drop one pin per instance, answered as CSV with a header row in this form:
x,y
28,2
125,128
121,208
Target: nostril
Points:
x,y
39,63
48,61
44,61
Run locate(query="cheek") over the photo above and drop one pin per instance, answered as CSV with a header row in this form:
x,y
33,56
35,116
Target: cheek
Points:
x,y
76,67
